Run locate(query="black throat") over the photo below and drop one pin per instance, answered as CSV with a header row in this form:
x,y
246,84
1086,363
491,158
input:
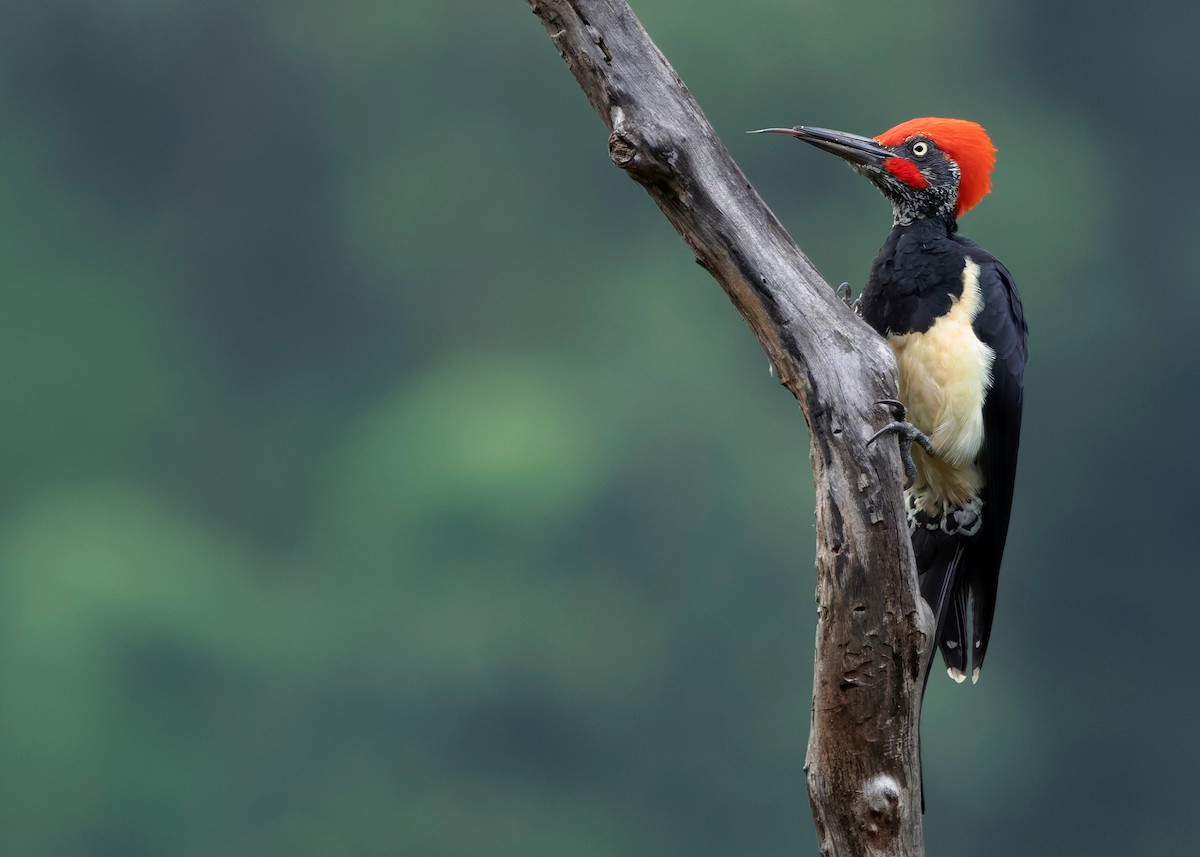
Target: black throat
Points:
x,y
915,277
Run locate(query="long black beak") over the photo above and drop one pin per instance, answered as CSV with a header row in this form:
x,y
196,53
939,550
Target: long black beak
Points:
x,y
856,149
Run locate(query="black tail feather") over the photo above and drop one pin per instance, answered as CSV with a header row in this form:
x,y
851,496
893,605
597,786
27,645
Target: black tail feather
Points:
x,y
952,638
983,604
941,560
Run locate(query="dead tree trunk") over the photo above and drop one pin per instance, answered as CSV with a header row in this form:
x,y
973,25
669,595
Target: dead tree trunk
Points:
x,y
863,765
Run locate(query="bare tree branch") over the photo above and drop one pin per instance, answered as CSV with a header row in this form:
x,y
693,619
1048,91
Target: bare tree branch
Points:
x,y
863,762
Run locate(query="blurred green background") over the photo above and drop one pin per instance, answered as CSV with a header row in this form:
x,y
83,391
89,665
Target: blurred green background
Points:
x,y
380,476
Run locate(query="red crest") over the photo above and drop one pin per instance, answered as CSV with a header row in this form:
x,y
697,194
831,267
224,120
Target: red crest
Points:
x,y
966,143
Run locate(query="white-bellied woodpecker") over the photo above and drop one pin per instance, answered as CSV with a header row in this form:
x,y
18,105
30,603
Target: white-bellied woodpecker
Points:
x,y
953,317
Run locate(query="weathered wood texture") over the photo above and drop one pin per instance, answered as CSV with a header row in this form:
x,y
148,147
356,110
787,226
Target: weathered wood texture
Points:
x,y
863,763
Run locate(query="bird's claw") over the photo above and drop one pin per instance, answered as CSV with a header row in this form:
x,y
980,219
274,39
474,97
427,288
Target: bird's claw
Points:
x,y
846,295
907,434
895,408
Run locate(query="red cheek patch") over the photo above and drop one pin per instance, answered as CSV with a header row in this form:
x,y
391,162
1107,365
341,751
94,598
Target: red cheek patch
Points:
x,y
907,172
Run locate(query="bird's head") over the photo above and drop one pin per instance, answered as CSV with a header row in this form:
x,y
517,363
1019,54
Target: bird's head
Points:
x,y
928,167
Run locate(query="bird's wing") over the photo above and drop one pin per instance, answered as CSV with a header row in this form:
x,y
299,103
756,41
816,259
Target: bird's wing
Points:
x,y
1001,326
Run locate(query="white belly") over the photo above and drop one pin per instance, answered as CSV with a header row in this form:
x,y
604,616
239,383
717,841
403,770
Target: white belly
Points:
x,y
945,374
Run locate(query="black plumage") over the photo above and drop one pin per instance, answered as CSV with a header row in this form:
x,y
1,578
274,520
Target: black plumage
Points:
x,y
914,282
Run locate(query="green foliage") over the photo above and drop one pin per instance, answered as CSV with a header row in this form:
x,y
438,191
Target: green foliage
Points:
x,y
381,477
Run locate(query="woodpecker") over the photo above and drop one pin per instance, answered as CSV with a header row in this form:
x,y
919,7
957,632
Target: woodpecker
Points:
x,y
952,315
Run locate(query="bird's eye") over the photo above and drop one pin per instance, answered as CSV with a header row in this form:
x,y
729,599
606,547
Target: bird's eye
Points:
x,y
920,148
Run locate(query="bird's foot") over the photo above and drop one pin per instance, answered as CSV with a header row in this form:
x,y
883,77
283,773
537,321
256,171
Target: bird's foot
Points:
x,y
907,434
846,295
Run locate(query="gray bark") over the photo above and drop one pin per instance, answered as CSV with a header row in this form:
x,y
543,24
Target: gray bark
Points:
x,y
863,762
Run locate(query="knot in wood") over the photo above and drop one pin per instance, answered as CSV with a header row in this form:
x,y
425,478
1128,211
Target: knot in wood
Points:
x,y
882,797
640,154
622,149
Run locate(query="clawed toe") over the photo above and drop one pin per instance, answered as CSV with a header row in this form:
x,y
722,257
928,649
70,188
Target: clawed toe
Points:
x,y
846,295
895,408
907,434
